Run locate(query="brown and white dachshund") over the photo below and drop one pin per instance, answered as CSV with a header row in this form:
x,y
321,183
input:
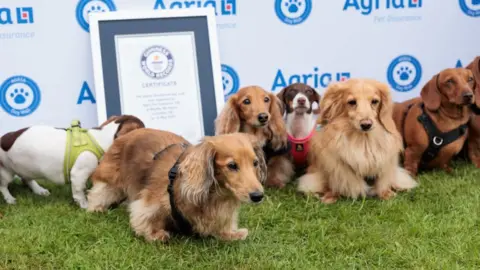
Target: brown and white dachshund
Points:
x,y
434,126
298,100
173,186
255,111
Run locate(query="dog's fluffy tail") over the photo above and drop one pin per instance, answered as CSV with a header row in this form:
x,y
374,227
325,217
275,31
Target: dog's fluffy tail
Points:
x,y
403,180
311,183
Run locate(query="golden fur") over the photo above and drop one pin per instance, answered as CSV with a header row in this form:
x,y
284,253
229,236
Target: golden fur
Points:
x,y
343,154
207,190
241,114
443,97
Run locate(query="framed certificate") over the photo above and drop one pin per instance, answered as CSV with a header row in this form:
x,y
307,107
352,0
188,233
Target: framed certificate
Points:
x,y
161,66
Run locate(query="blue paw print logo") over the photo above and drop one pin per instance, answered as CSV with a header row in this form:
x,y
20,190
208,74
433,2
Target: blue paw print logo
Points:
x,y
404,73
470,7
230,81
19,96
293,12
293,5
94,8
85,7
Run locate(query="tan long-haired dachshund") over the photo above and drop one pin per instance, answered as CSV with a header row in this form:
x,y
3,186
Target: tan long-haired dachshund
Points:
x,y
172,186
257,112
355,153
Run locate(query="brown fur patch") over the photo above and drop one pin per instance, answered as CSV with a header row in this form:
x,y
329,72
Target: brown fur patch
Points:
x,y
127,124
7,140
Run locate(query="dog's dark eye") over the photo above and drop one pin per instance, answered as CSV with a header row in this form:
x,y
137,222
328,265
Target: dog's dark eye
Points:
x,y
352,102
266,99
450,81
375,101
470,79
255,163
246,101
309,92
232,166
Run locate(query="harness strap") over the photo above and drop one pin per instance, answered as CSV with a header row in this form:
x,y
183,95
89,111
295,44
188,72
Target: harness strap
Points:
x,y
403,124
182,224
270,152
75,139
437,139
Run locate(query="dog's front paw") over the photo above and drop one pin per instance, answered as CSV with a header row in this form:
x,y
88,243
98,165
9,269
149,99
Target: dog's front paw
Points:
x,y
274,182
160,235
448,169
11,200
242,234
83,204
42,192
329,198
387,194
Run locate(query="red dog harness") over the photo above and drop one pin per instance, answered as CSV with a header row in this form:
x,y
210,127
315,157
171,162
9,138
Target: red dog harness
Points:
x,y
300,147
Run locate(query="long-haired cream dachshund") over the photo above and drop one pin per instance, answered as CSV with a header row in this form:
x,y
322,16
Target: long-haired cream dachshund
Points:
x,y
356,152
257,112
172,186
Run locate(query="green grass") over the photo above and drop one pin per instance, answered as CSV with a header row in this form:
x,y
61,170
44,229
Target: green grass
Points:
x,y
434,227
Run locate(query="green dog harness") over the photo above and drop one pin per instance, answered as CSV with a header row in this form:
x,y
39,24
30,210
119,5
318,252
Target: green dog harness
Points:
x,y
79,140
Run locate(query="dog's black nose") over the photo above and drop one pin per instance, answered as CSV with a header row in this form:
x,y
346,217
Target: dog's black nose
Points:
x,y
256,196
467,96
366,126
262,118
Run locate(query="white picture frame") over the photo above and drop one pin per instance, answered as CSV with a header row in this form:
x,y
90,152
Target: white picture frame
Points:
x,y
104,83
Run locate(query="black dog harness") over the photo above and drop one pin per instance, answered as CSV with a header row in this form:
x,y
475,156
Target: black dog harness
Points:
x,y
436,139
180,221
270,152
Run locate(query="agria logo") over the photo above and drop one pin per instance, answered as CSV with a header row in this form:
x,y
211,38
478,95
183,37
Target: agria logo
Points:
x,y
315,79
404,73
293,11
470,7
19,15
19,96
366,7
85,7
222,7
230,81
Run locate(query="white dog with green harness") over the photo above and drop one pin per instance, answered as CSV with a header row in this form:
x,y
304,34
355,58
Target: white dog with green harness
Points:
x,y
59,155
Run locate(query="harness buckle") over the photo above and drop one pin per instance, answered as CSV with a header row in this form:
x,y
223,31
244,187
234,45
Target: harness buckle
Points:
x,y
437,140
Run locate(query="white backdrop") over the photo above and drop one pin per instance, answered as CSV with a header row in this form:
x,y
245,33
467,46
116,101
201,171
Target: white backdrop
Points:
x,y
46,68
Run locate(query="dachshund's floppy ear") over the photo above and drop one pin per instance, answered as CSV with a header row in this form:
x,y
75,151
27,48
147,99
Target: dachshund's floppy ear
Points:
x,y
475,68
431,95
386,108
198,170
276,123
316,98
281,97
228,121
331,103
262,165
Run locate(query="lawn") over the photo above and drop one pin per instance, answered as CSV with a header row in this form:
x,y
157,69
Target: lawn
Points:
x,y
436,226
